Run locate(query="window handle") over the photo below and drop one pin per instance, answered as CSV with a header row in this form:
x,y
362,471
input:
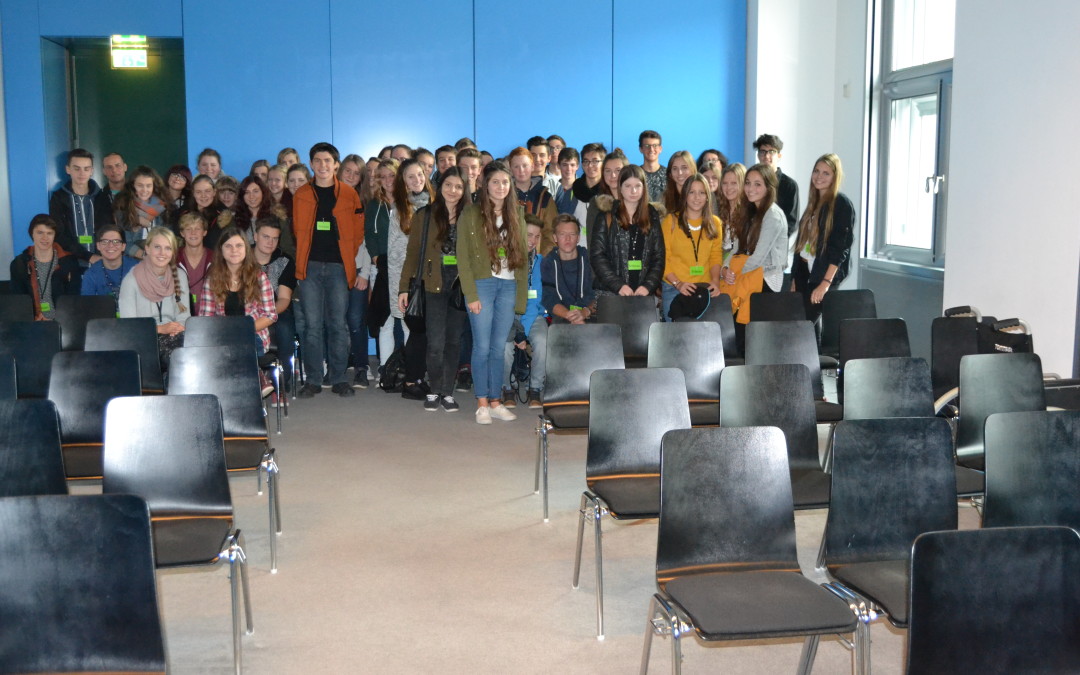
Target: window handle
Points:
x,y
933,184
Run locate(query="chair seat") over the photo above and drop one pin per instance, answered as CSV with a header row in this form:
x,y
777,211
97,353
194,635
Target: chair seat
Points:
x,y
244,453
630,497
969,482
828,362
705,414
575,416
189,540
82,461
826,411
885,582
810,488
751,605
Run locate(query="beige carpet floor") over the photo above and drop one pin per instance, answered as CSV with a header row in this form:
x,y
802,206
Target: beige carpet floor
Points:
x,y
413,543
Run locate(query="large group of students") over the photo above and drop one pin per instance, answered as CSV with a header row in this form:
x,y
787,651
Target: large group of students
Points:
x,y
492,250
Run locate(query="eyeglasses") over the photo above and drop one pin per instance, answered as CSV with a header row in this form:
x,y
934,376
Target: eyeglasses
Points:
x,y
591,162
766,152
650,146
110,242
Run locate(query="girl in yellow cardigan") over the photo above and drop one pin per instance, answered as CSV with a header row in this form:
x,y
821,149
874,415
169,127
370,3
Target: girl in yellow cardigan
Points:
x,y
693,244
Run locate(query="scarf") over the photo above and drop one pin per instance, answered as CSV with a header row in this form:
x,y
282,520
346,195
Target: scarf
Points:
x,y
152,208
151,286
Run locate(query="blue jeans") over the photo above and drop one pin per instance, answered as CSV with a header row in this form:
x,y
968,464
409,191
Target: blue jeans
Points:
x,y
669,293
489,329
538,340
283,332
325,297
358,332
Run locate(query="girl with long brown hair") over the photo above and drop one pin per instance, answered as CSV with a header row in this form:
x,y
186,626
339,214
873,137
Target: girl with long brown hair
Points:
x,y
627,250
237,286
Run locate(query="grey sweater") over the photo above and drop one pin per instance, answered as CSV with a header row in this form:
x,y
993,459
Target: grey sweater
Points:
x,y
134,304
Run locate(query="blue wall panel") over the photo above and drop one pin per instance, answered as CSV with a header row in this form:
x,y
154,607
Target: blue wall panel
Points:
x,y
401,75
680,71
258,78
94,18
532,79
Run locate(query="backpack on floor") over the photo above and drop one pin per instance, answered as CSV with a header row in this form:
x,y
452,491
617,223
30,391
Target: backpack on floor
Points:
x,y
393,376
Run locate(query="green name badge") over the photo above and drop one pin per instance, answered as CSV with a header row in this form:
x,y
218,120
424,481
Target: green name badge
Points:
x,y
449,260
697,270
86,239
576,308
502,252
532,294
46,307
633,265
322,225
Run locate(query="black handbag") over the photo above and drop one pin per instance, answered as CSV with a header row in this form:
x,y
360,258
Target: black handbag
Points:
x,y
416,310
457,296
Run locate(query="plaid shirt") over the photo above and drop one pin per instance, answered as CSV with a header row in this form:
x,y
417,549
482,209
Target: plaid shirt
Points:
x,y
264,308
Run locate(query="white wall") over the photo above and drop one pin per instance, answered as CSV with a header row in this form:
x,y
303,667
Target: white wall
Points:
x,y
806,83
1013,237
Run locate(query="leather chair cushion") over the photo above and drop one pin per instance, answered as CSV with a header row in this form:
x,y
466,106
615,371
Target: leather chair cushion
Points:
x,y
188,540
83,461
630,497
244,453
810,489
569,416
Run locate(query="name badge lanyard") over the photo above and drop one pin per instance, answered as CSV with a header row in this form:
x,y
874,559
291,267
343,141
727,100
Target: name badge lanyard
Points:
x,y
333,225
696,245
48,278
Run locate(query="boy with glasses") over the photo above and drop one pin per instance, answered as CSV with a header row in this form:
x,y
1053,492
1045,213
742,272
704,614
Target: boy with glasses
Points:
x,y
651,146
104,276
586,187
768,148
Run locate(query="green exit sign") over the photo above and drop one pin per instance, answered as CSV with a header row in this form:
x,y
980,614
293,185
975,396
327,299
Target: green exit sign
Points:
x,y
128,51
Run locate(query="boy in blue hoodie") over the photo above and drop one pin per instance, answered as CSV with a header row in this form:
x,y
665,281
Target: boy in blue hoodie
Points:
x,y
532,328
566,276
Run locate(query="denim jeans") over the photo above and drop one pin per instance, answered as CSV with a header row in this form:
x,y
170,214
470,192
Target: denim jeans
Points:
x,y
669,293
538,340
358,332
283,332
325,296
443,324
489,330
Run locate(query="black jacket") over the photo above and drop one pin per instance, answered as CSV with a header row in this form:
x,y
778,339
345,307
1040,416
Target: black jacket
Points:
x,y
61,208
610,247
835,251
787,198
66,276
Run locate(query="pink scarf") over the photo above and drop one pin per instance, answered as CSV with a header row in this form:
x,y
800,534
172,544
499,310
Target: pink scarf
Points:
x,y
153,288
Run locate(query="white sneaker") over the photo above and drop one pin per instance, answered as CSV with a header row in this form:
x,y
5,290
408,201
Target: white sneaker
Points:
x,y
483,415
501,412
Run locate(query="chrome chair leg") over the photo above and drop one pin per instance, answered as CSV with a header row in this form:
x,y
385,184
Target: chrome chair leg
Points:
x,y
599,509
664,620
819,564
238,583
542,460
269,464
650,629
536,477
580,539
275,371
809,653
865,612
862,648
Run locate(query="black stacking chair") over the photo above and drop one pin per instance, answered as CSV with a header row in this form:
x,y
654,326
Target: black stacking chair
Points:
x,y
32,344
870,339
8,378
892,481
779,396
136,334
169,451
994,383
81,384
898,387
16,308
215,331
951,339
634,315
999,600
232,375
777,342
696,349
784,306
726,564
5,287
30,459
79,593
837,306
73,312
1032,469
719,312
573,353
622,467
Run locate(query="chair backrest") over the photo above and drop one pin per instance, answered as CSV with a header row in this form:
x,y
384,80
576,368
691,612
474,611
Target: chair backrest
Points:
x,y
839,305
82,383
951,338
892,480
995,600
774,396
573,353
1032,469
634,314
784,306
215,331
74,311
696,348
30,458
719,312
33,344
890,387
622,444
870,339
169,450
776,342
136,334
79,592
229,372
994,383
8,378
16,308
725,502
